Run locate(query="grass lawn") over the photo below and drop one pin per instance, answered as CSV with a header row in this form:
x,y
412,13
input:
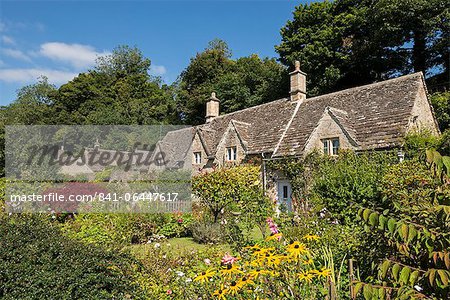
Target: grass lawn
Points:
x,y
174,246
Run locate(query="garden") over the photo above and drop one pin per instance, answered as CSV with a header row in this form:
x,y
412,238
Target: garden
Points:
x,y
364,226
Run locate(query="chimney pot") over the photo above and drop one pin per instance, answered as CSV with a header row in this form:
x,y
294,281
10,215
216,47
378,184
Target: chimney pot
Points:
x,y
298,83
212,107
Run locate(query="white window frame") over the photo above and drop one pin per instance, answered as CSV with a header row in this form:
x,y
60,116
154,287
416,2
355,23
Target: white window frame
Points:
x,y
231,153
329,146
197,158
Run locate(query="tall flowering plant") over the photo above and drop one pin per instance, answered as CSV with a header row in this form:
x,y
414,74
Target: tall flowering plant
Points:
x,y
277,268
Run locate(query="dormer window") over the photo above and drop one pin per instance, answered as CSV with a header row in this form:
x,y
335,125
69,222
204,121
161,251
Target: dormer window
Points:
x,y
331,146
231,154
197,158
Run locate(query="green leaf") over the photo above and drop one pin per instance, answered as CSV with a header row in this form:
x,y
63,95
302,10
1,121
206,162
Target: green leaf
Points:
x,y
391,225
444,276
395,270
360,212
382,220
413,277
384,268
412,233
367,292
366,214
446,162
431,276
373,219
404,231
381,294
429,153
357,288
404,275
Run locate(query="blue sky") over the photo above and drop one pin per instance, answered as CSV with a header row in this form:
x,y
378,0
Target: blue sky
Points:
x,y
60,39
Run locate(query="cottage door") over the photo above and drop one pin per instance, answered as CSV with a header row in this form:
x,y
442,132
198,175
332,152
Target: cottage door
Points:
x,y
284,195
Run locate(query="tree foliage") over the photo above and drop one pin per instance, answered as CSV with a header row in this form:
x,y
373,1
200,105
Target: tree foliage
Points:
x,y
349,43
225,189
239,83
118,91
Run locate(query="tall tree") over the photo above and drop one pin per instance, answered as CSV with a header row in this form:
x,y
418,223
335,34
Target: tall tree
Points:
x,y
119,90
239,83
352,42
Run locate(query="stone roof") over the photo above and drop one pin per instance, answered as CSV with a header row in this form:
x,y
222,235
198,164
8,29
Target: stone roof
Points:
x,y
379,114
175,147
371,116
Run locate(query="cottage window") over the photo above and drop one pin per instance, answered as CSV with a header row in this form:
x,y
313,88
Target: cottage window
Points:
x,y
331,146
197,158
231,154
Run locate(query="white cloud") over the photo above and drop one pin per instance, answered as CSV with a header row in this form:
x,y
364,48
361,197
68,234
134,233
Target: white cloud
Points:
x,y
79,56
30,75
158,70
8,40
17,54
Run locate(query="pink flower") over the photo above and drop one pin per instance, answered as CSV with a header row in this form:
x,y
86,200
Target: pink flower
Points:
x,y
180,220
272,226
227,259
207,261
169,292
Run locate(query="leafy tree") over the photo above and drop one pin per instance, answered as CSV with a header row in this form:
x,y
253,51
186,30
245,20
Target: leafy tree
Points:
x,y
32,106
349,42
118,91
441,105
240,83
231,188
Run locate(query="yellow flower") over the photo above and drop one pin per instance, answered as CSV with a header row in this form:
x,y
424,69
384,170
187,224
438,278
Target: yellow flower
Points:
x,y
245,280
255,273
311,237
324,272
253,248
234,288
305,276
229,270
274,237
262,251
296,249
220,293
204,276
308,261
271,260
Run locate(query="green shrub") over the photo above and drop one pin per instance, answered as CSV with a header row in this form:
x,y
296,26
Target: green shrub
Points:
x,y
125,229
344,182
38,262
207,233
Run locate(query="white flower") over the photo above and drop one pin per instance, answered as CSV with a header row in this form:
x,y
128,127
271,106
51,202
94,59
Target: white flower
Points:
x,y
207,261
149,241
188,280
418,288
179,273
157,245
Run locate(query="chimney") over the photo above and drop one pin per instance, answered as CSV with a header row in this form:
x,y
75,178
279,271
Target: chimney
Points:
x,y
212,107
298,83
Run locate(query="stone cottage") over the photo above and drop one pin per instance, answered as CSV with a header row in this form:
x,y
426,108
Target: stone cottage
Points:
x,y
374,116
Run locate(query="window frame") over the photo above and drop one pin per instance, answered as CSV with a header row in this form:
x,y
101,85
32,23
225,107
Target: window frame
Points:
x,y
231,154
329,146
199,156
